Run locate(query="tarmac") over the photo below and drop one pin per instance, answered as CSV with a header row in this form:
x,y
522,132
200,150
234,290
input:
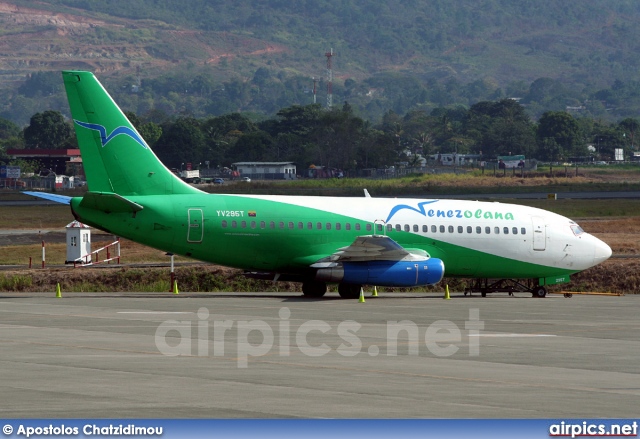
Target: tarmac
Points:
x,y
276,355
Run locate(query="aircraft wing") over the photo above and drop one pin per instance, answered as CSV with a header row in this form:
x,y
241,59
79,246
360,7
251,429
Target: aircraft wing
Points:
x,y
372,248
62,199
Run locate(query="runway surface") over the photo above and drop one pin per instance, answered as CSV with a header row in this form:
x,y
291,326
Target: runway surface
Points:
x,y
108,355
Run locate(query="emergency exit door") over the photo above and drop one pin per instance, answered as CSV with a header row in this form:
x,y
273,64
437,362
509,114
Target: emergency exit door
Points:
x,y
196,226
539,234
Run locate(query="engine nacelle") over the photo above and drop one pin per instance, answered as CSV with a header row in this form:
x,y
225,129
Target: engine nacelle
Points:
x,y
385,273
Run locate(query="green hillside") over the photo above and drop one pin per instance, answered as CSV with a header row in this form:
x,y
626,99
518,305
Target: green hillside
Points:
x,y
218,56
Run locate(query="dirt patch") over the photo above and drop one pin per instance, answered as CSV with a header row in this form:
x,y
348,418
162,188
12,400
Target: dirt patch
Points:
x,y
613,276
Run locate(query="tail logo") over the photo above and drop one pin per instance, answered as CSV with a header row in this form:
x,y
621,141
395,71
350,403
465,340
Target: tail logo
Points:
x,y
104,138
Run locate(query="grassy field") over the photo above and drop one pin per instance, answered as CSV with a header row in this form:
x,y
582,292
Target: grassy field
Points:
x,y
48,217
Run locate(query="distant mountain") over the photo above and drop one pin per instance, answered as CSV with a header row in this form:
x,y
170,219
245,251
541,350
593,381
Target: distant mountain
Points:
x,y
261,55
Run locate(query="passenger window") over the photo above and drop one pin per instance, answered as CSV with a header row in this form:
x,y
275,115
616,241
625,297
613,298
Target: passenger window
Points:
x,y
253,224
281,224
514,230
506,230
478,230
450,229
338,227
469,229
309,225
416,228
357,226
398,227
328,226
369,227
319,226
407,228
379,227
460,229
243,224
263,224
272,225
434,229
224,223
301,225
234,224
441,229
496,230
523,231
291,224
487,230
425,229
347,226
389,227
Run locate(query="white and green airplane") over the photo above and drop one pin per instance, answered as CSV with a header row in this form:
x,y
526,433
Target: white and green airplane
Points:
x,y
313,240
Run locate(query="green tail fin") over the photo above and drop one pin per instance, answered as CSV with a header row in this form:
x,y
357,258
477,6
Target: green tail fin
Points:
x,y
115,157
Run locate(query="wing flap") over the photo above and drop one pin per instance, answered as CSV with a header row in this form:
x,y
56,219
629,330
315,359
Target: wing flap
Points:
x,y
372,248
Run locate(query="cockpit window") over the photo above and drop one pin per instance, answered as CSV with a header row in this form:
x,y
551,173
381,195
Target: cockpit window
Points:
x,y
577,230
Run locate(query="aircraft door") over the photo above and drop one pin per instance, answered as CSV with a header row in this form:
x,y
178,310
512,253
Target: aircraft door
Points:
x,y
196,225
539,234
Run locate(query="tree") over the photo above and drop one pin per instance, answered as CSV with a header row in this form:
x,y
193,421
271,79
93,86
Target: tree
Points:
x,y
41,84
337,139
564,130
543,89
222,133
149,131
606,139
500,128
252,147
8,129
549,150
48,130
299,120
630,126
180,142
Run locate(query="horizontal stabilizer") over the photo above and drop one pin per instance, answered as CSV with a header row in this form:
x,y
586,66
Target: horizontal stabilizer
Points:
x,y
62,199
109,202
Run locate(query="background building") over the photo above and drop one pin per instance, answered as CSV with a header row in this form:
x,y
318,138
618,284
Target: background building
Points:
x,y
266,170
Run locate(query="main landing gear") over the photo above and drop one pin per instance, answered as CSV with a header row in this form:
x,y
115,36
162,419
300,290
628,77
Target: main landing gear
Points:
x,y
487,286
318,289
314,289
349,291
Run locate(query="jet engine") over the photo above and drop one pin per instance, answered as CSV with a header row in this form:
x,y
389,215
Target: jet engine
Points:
x,y
384,273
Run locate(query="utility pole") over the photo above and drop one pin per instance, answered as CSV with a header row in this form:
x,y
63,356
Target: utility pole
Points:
x,y
329,55
315,89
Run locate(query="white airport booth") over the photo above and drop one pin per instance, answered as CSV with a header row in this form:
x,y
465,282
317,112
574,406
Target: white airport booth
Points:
x,y
78,243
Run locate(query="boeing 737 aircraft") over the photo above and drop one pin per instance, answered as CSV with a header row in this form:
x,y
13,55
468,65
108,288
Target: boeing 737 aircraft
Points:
x,y
312,240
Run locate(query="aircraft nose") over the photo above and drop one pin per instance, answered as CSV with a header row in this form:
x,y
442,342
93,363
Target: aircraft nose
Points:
x,y
602,252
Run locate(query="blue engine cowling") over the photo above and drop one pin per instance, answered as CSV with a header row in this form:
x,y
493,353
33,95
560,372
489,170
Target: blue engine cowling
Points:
x,y
385,273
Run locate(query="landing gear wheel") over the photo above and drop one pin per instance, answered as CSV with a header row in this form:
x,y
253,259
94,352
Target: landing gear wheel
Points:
x,y
314,289
539,292
568,295
349,291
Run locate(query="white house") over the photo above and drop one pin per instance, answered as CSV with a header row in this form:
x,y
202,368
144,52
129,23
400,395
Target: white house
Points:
x,y
78,242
